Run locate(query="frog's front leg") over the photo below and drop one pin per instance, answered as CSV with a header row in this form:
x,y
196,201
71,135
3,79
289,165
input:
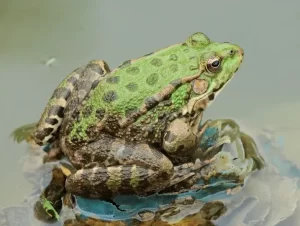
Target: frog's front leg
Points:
x,y
128,168
181,138
66,97
227,131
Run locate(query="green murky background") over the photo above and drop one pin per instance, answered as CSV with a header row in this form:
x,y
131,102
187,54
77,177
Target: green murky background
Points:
x,y
265,92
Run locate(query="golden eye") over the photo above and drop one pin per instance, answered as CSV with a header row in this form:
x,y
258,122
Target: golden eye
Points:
x,y
213,64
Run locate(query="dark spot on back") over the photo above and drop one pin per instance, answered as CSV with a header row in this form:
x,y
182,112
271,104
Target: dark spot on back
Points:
x,y
173,57
100,113
56,110
174,68
110,96
87,111
156,62
211,96
152,79
113,79
132,86
51,121
125,64
133,70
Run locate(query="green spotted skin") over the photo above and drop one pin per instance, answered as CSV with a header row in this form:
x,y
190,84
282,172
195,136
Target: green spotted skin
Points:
x,y
131,94
118,127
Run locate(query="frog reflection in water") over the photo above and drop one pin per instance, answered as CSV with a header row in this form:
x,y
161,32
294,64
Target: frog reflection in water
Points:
x,y
116,127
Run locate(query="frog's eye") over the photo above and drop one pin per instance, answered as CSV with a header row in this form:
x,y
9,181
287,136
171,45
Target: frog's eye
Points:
x,y
213,64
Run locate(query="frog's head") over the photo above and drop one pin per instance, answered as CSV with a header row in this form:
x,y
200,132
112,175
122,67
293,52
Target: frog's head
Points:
x,y
218,64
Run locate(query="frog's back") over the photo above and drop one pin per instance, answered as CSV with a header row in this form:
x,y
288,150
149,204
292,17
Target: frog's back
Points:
x,y
127,86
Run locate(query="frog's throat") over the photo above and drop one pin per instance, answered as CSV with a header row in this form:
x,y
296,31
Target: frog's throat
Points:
x,y
201,102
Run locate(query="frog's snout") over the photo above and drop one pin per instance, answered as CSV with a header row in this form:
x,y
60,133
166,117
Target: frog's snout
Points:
x,y
241,53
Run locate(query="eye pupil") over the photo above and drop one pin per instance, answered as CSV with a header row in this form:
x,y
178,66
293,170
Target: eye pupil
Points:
x,y
216,63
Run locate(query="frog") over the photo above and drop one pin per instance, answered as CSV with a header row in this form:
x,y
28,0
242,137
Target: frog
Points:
x,y
115,126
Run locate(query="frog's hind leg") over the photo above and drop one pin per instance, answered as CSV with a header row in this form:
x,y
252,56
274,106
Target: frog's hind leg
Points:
x,y
127,168
70,92
107,182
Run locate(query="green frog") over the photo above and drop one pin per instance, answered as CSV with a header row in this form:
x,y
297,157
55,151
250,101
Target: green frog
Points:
x,y
117,127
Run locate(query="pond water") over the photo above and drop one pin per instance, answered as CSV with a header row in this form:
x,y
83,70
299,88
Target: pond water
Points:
x,y
41,42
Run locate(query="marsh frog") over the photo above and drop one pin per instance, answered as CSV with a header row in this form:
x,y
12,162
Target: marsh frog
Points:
x,y
116,127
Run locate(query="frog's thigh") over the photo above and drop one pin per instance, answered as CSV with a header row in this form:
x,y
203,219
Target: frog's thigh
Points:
x,y
106,182
128,169
140,154
111,151
70,92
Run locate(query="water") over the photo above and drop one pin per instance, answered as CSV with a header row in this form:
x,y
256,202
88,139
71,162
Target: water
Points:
x,y
41,42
